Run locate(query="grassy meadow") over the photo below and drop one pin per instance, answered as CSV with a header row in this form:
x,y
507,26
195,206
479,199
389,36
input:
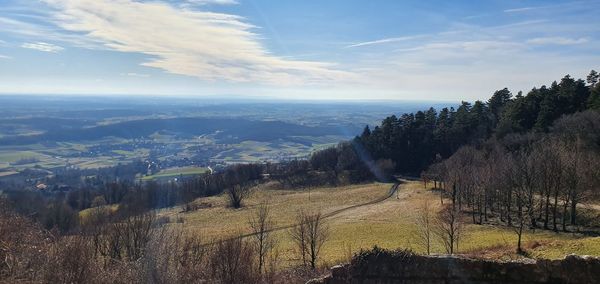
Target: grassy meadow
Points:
x,y
388,224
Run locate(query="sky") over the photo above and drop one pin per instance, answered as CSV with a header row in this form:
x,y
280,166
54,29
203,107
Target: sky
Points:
x,y
331,50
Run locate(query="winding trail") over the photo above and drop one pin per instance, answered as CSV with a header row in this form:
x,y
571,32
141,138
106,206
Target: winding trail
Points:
x,y
390,194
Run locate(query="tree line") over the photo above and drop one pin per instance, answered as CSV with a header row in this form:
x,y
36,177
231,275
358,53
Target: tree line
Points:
x,y
414,141
527,181
58,209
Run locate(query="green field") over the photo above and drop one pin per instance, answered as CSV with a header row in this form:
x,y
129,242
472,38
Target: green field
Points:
x,y
14,156
254,151
7,173
175,172
70,153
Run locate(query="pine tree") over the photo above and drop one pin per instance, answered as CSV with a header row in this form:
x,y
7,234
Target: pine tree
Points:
x,y
593,78
594,99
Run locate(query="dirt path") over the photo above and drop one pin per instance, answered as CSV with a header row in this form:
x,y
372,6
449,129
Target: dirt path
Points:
x,y
593,206
390,194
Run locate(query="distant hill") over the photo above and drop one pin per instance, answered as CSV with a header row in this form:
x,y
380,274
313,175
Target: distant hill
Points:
x,y
225,129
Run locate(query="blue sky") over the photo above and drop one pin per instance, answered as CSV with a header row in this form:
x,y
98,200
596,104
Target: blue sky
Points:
x,y
344,49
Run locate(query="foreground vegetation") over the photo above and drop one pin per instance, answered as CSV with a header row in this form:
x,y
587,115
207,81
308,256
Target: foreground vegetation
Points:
x,y
174,246
388,224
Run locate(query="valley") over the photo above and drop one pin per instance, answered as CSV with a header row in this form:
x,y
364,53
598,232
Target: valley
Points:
x,y
39,137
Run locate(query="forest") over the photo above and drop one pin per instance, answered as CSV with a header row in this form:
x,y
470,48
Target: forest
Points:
x,y
415,140
528,161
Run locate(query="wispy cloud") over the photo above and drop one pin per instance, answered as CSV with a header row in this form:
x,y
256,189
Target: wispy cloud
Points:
x,y
551,6
462,31
385,40
210,46
479,16
466,46
36,31
217,2
437,64
43,46
132,74
4,57
518,10
558,41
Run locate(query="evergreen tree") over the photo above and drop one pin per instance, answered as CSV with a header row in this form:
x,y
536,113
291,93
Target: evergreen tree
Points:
x,y
593,78
414,140
548,108
497,103
366,132
594,100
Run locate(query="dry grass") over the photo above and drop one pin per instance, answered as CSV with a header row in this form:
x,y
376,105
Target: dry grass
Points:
x,y
84,214
388,224
220,221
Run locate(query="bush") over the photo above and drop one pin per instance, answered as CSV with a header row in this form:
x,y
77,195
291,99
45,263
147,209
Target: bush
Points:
x,y
233,261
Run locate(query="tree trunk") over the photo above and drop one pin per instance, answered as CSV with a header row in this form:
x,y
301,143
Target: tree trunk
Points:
x,y
573,211
473,209
520,233
479,208
453,195
441,197
555,210
564,216
547,210
508,208
485,205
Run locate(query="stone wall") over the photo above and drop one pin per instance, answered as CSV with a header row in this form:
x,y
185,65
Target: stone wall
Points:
x,y
381,266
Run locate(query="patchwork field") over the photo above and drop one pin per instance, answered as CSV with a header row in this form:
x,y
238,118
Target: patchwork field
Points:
x,y
388,224
254,151
175,172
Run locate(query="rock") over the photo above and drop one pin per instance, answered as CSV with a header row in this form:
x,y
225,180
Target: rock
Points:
x,y
381,266
339,271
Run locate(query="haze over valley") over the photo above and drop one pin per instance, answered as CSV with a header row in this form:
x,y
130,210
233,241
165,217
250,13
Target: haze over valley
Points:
x,y
49,133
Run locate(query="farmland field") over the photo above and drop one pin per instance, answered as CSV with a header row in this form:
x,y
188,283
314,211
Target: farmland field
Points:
x,y
175,172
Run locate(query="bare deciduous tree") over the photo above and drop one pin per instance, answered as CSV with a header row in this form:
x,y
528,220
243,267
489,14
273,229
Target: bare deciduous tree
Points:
x,y
236,193
449,227
71,260
176,257
22,244
318,233
126,239
262,225
424,222
310,235
136,232
299,236
232,261
521,216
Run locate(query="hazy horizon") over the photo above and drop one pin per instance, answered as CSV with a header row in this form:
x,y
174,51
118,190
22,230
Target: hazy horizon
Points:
x,y
234,98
